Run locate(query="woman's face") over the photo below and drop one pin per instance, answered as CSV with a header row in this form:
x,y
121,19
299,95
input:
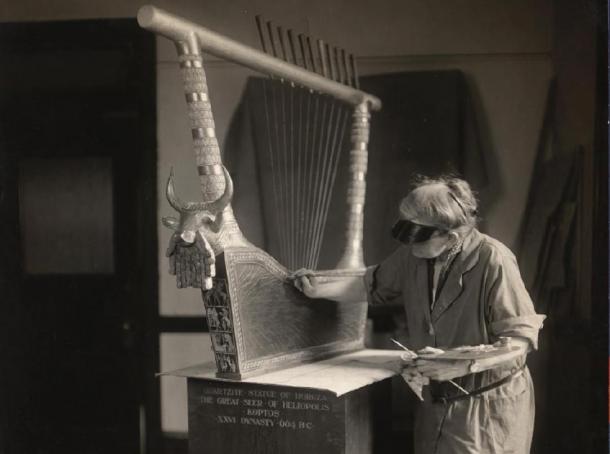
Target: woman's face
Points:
x,y
439,242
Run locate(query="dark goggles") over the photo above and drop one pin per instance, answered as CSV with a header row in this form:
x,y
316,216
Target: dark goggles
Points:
x,y
408,232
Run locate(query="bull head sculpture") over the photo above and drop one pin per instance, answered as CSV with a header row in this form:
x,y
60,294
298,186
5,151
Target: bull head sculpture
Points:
x,y
197,216
198,235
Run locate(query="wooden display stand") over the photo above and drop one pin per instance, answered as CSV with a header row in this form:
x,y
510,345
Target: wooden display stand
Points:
x,y
340,405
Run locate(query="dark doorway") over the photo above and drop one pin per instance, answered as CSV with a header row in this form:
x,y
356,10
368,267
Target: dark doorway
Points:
x,y
78,214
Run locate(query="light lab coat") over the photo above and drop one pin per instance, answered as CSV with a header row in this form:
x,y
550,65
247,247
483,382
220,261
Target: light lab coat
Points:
x,y
482,299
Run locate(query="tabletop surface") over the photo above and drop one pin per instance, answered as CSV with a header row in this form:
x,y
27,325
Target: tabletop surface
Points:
x,y
340,374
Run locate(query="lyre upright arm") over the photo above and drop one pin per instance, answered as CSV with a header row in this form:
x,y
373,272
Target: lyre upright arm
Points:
x,y
203,130
353,256
205,144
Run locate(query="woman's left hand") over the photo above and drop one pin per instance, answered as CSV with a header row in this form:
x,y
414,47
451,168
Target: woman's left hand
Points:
x,y
442,370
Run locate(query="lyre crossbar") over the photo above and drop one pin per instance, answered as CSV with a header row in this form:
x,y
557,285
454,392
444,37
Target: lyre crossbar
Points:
x,y
257,319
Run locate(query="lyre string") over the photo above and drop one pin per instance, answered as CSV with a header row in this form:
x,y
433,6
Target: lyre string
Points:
x,y
266,84
306,50
304,157
293,146
311,153
293,143
285,188
285,161
322,189
279,193
319,117
337,156
300,217
284,153
324,143
332,153
291,187
293,173
317,187
276,160
295,157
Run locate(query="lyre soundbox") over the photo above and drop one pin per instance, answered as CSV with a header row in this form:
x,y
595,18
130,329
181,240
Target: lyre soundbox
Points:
x,y
258,320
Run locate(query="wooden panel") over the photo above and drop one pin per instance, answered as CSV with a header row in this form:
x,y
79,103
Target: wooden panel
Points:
x,y
275,324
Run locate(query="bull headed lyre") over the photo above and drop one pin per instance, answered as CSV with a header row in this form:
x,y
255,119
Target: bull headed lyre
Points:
x,y
252,282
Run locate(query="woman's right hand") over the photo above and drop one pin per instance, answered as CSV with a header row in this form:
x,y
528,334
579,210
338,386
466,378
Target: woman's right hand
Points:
x,y
333,287
307,282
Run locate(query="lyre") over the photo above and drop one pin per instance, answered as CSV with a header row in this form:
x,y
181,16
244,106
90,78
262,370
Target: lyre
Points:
x,y
257,319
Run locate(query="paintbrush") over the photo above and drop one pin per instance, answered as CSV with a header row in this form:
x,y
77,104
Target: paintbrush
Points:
x,y
410,352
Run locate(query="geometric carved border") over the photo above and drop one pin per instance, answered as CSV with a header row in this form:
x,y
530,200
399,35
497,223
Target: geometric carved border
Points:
x,y
234,256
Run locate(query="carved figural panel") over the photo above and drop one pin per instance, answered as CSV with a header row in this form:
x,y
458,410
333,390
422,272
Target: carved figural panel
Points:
x,y
277,324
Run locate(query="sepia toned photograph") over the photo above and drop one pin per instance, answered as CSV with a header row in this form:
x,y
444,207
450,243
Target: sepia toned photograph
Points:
x,y
304,227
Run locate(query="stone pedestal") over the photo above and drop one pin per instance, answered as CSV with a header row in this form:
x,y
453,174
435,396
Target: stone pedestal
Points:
x,y
338,406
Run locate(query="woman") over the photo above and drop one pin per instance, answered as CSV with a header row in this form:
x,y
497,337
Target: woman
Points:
x,y
459,287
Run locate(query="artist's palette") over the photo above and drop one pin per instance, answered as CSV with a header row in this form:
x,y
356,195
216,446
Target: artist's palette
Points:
x,y
469,352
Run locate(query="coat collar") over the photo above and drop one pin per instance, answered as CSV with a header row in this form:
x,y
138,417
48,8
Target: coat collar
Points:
x,y
453,287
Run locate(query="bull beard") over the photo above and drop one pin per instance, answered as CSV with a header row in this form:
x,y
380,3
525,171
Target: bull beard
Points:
x,y
193,264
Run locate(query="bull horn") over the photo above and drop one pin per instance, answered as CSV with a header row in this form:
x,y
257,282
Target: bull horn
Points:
x,y
170,193
219,204
214,207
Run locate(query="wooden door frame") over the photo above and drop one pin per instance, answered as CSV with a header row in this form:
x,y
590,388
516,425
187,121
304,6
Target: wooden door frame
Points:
x,y
125,35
